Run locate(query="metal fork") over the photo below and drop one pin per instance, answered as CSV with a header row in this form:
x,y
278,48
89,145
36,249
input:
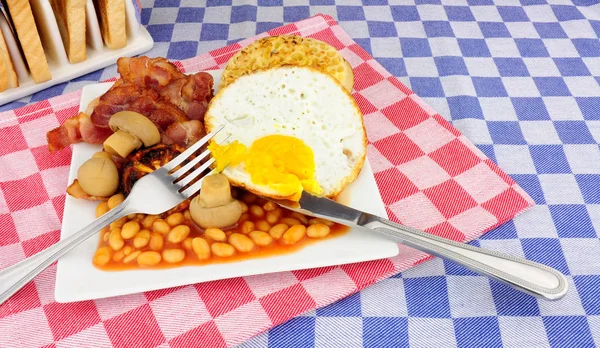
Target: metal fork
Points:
x,y
154,193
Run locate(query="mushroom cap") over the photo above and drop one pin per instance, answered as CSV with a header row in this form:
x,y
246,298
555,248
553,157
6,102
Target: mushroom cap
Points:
x,y
136,124
219,216
98,177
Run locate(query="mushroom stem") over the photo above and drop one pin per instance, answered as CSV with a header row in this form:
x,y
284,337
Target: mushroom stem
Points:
x,y
121,143
214,206
215,191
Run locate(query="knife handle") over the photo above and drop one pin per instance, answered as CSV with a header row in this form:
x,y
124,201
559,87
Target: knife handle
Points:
x,y
524,275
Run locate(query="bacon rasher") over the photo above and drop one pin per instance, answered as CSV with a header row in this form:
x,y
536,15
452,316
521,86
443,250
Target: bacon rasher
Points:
x,y
75,129
173,101
189,93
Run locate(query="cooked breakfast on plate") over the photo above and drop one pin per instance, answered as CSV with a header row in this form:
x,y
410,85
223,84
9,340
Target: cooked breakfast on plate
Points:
x,y
290,126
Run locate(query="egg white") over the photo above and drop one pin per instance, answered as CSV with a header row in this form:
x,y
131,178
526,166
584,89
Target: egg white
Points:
x,y
295,101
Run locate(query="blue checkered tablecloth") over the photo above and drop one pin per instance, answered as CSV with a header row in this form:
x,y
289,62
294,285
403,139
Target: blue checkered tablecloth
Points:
x,y
521,79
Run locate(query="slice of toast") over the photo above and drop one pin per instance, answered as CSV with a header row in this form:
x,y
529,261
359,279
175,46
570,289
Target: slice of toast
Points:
x,y
70,17
112,22
27,33
8,76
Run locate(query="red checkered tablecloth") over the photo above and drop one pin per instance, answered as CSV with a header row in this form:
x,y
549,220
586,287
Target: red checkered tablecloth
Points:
x,y
430,177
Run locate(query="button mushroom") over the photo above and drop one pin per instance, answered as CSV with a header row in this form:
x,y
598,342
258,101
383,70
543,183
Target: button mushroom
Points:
x,y
131,130
214,206
98,177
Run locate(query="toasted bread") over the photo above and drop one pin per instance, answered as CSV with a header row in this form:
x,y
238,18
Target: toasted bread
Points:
x,y
27,33
70,17
112,22
299,102
274,51
8,76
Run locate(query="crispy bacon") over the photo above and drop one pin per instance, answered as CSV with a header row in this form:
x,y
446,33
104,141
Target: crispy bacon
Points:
x,y
148,72
153,87
183,133
190,93
75,129
130,97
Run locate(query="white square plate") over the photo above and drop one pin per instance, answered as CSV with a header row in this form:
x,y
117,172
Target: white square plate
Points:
x,y
77,279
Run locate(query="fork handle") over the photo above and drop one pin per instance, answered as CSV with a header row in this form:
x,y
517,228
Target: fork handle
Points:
x,y
524,275
16,276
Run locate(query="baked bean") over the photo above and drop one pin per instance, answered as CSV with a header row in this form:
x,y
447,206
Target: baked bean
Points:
x,y
101,209
222,249
303,219
161,226
178,234
215,234
201,248
118,256
320,221
141,239
118,224
130,229
149,258
132,256
244,207
149,220
105,236
273,216
115,240
290,221
245,217
102,256
127,250
261,238
131,216
317,230
115,200
249,198
156,241
174,219
269,206
187,215
262,225
257,211
173,255
247,227
294,234
187,243
241,242
278,230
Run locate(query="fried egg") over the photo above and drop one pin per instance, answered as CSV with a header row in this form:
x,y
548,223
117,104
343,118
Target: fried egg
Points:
x,y
287,129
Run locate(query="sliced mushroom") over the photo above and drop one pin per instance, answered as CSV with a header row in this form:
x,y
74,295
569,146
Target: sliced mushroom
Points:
x,y
98,177
131,131
214,206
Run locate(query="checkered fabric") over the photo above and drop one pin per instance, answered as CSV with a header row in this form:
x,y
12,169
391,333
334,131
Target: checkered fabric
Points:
x,y
520,80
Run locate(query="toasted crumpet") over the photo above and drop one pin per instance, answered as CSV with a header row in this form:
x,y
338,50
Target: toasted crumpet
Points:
x,y
275,51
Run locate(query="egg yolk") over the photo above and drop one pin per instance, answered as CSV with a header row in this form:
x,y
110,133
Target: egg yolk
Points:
x,y
283,163
230,154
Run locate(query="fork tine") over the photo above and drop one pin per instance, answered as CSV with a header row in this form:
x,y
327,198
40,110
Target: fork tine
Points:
x,y
190,191
195,161
187,153
193,175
